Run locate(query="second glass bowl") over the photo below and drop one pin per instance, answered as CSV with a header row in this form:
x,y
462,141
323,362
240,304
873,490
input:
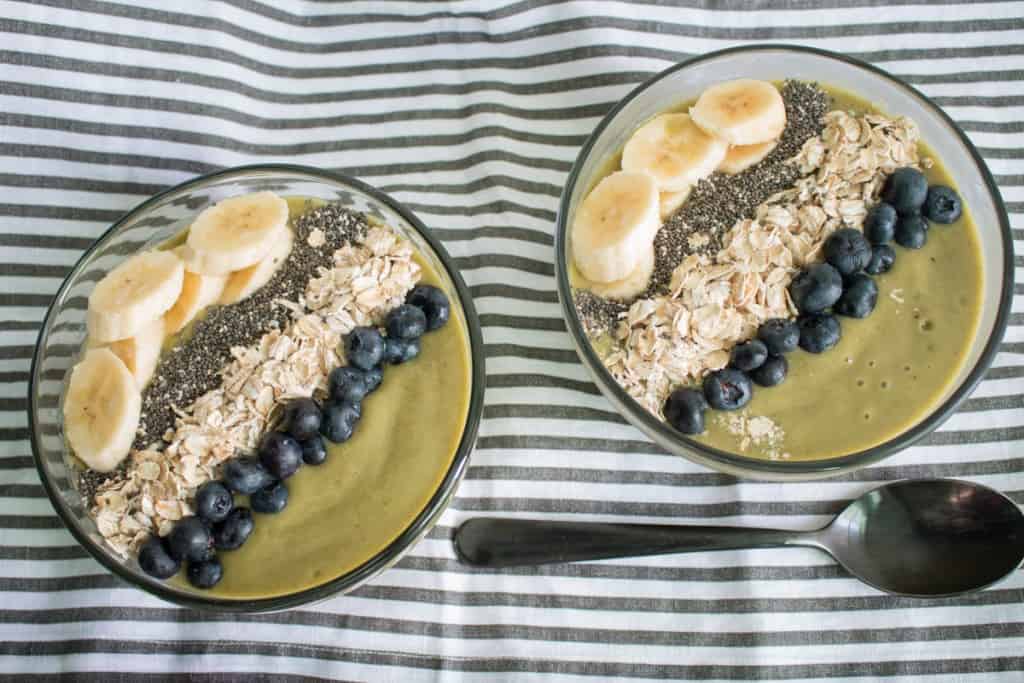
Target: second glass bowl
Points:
x,y
684,82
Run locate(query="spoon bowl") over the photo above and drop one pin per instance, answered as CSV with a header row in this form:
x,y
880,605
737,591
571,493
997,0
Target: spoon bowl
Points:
x,y
924,538
928,537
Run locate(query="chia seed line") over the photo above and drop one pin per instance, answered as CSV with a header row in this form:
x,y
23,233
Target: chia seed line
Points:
x,y
717,202
190,369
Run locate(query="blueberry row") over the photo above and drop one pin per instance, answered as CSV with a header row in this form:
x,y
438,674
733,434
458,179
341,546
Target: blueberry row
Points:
x,y
842,285
221,525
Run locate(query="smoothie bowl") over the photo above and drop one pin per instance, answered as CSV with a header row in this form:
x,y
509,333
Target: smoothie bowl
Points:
x,y
257,389
782,263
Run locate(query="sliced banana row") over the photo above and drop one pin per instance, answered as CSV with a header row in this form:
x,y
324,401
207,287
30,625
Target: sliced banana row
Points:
x,y
232,249
732,126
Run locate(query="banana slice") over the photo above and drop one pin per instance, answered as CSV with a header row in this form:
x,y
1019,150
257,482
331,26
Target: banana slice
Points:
x,y
631,286
134,294
615,226
669,202
101,410
197,292
741,157
674,151
141,353
741,112
235,233
243,283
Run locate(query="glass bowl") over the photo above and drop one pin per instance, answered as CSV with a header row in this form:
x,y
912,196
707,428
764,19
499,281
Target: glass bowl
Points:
x,y
153,222
684,82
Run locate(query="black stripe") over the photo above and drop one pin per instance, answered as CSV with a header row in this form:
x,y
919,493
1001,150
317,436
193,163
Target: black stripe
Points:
x,y
650,637
708,478
512,261
518,380
34,270
560,443
97,676
528,352
500,206
514,9
16,462
192,137
18,325
30,522
496,231
550,28
45,241
501,664
199,168
415,562
510,292
630,508
165,104
460,113
539,411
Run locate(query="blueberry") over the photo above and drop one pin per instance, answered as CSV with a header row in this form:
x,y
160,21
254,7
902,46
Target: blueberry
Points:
x,y
772,371
213,501
816,288
882,258
748,355
246,475
779,335
156,560
406,322
271,499
280,454
906,189
880,223
911,231
339,421
728,389
684,410
364,347
819,332
205,574
233,531
374,376
942,205
433,302
398,351
313,451
190,540
859,297
347,383
302,418
847,250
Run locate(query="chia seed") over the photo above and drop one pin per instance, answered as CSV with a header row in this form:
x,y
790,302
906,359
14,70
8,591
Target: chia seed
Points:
x,y
597,314
717,202
190,369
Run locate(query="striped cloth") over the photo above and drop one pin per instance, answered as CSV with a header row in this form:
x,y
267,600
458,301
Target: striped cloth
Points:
x,y
472,115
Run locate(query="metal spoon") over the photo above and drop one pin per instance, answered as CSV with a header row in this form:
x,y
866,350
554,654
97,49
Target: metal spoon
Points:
x,y
919,538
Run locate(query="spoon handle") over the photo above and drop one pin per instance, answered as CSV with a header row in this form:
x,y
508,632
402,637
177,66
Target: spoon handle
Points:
x,y
495,542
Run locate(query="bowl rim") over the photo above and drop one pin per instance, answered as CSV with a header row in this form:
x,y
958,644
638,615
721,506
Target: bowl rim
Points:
x,y
413,532
723,460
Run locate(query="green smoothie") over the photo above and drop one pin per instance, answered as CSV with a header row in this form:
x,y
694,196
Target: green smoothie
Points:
x,y
889,370
343,512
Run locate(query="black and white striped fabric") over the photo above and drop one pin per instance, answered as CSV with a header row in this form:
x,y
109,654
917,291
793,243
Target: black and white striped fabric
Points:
x,y
471,114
